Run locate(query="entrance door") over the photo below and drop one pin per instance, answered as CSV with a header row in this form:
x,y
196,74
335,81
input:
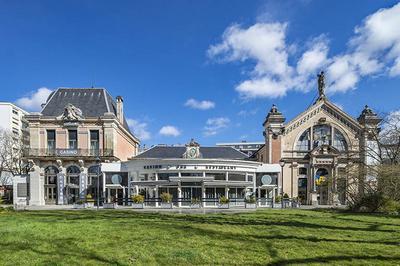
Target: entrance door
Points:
x,y
50,195
72,195
302,190
321,180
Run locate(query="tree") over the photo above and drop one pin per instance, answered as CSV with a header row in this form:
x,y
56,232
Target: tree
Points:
x,y
11,156
375,178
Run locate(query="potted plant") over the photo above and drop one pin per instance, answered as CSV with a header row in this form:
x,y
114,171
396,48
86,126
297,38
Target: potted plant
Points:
x,y
277,203
79,204
166,200
251,202
286,200
223,202
137,201
195,203
89,201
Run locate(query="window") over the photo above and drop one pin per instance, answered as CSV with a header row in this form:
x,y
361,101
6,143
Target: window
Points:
x,y
92,175
94,140
236,177
302,171
15,112
73,175
339,141
303,144
51,140
322,135
50,175
73,139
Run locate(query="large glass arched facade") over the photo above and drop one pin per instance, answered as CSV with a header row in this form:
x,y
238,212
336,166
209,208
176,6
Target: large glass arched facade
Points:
x,y
321,135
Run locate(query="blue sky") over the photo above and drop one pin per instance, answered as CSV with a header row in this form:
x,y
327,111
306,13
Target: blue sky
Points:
x,y
203,69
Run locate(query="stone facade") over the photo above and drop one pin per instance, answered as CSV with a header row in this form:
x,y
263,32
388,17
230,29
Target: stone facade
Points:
x,y
315,149
65,147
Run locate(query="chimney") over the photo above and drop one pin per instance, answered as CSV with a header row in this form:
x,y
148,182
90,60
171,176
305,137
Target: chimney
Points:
x,y
120,109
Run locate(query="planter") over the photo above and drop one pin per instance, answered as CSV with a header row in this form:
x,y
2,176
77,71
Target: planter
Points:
x,y
286,203
138,205
223,206
166,205
89,205
195,206
251,205
79,206
110,205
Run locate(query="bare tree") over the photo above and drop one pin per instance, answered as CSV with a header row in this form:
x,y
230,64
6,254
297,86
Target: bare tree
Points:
x,y
377,172
11,155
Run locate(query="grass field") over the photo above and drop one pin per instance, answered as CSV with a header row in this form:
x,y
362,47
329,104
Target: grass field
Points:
x,y
274,237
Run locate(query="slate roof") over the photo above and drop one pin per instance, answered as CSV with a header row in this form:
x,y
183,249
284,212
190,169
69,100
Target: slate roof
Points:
x,y
93,102
175,152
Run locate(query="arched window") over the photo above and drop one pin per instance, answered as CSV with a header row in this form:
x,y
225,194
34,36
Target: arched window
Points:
x,y
93,171
303,144
50,175
73,172
339,142
322,135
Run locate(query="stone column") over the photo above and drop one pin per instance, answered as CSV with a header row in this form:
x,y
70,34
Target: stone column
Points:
x,y
36,186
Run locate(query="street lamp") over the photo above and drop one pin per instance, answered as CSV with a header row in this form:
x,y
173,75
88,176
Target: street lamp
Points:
x,y
282,164
98,163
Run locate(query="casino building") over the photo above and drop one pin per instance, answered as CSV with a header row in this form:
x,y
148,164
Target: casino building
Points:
x,y
316,147
192,171
75,128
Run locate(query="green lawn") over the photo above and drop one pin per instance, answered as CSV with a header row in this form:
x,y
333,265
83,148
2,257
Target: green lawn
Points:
x,y
273,237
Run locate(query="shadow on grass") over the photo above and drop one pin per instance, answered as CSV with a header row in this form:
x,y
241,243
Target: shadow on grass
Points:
x,y
61,248
254,219
333,259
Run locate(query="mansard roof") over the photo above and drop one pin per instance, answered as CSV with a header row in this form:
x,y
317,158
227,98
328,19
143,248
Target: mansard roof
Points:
x,y
176,152
331,109
93,102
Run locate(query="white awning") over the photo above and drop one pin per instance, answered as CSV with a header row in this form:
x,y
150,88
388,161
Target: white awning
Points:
x,y
229,183
191,178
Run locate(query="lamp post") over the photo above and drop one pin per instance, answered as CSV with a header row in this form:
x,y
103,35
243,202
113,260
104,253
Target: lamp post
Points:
x,y
98,162
282,164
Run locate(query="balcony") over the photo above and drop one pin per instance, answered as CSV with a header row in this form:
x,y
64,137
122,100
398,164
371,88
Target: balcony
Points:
x,y
68,153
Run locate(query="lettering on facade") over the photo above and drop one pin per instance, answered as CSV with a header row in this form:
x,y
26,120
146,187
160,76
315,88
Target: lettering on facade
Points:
x,y
183,167
67,152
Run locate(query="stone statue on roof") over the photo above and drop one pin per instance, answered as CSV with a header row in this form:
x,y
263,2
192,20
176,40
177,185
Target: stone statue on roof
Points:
x,y
321,84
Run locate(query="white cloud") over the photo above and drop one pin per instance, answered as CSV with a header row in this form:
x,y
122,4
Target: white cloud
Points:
x,y
245,113
278,68
139,129
170,131
215,125
201,105
35,99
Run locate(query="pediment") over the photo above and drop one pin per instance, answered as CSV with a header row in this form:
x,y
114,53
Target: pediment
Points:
x,y
328,109
324,150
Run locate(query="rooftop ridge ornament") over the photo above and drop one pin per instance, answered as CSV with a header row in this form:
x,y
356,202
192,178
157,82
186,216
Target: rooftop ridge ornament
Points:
x,y
321,85
71,113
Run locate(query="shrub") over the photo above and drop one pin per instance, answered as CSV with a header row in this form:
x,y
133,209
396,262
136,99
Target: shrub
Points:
x,y
390,206
195,201
285,196
1,201
223,200
251,199
89,198
137,198
80,201
278,199
369,202
166,197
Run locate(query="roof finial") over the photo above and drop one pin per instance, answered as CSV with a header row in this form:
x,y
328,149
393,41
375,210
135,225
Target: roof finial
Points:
x,y
321,85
